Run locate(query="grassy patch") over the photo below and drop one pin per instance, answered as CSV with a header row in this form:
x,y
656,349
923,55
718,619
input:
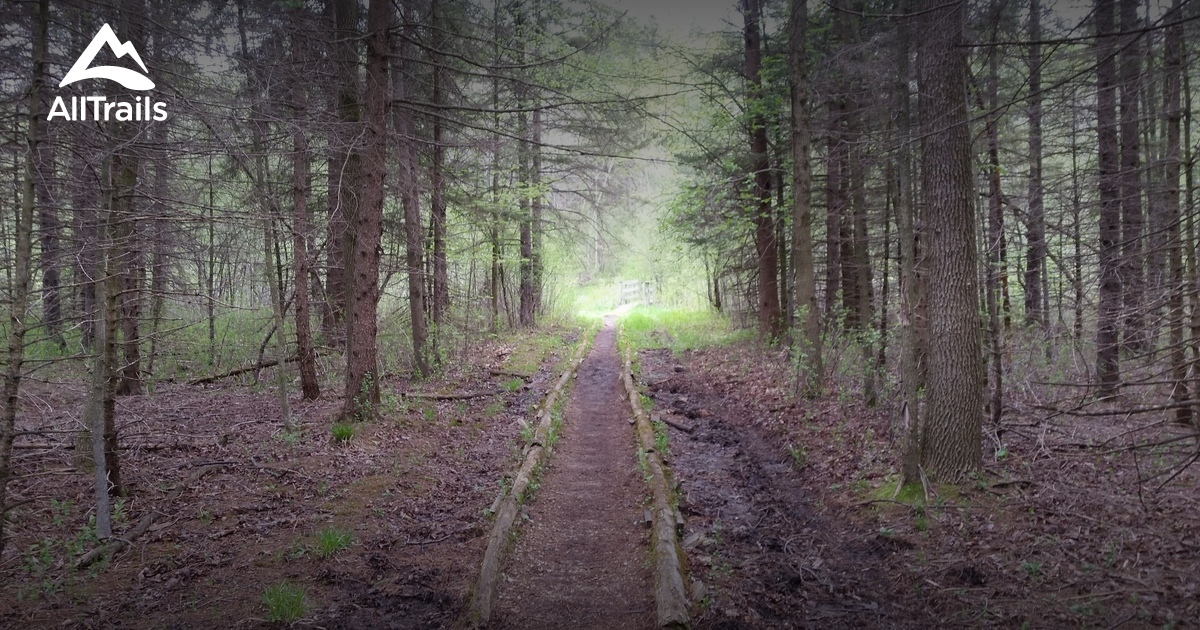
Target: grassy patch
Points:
x,y
678,329
532,349
285,602
331,540
342,432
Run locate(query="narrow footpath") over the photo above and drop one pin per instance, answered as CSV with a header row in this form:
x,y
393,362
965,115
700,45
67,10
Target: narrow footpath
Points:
x,y
582,560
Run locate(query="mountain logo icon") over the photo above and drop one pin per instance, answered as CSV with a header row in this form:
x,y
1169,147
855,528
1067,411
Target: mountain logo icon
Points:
x,y
131,79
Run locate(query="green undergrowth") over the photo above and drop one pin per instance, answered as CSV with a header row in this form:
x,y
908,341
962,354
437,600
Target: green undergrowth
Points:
x,y
678,329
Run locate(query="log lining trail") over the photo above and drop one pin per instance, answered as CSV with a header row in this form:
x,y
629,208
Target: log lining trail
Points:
x,y
581,559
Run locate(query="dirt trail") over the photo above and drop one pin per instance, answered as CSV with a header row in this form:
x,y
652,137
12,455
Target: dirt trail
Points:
x,y
581,559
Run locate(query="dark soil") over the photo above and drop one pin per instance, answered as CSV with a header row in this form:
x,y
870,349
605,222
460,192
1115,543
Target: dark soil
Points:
x,y
1067,526
411,488
580,559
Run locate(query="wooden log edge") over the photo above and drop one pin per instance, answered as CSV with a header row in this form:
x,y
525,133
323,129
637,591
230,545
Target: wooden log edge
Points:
x,y
480,611
669,593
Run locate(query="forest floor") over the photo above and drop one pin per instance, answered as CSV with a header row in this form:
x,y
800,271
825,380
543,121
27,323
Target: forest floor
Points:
x,y
792,518
384,530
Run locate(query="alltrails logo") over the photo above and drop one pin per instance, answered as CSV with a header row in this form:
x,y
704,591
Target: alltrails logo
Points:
x,y
143,108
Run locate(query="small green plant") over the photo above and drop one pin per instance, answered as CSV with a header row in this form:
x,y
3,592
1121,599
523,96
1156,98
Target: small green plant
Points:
x,y
205,516
331,540
290,438
342,432
430,413
1032,567
512,384
661,439
285,602
799,455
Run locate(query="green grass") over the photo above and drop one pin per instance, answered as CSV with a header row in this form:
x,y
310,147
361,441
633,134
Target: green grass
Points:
x,y
285,602
678,329
532,349
342,432
331,540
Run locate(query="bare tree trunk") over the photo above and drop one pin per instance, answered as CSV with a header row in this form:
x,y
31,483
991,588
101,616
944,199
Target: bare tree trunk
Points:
x,y
1131,269
1035,259
769,321
23,253
362,377
1107,338
1173,69
996,265
414,245
344,169
437,184
310,387
128,268
951,431
48,221
526,313
808,342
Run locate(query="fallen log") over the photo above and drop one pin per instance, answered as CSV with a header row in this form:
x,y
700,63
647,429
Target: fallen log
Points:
x,y
461,396
241,370
669,594
480,611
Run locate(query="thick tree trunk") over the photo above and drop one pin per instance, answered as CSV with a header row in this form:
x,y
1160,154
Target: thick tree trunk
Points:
x,y
344,168
1109,309
951,431
769,320
808,322
1131,267
362,377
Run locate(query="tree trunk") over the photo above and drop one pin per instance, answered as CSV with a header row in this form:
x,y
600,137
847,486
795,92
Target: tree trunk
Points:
x,y
414,245
362,377
1131,270
437,184
1173,69
951,431
1109,309
23,253
769,320
310,387
344,168
808,324
1035,226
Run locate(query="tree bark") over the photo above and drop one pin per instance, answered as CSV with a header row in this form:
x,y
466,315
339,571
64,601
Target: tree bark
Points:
x,y
362,378
769,320
437,183
344,168
1035,227
808,324
951,430
23,253
1173,69
1109,309
1131,269
310,387
414,245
